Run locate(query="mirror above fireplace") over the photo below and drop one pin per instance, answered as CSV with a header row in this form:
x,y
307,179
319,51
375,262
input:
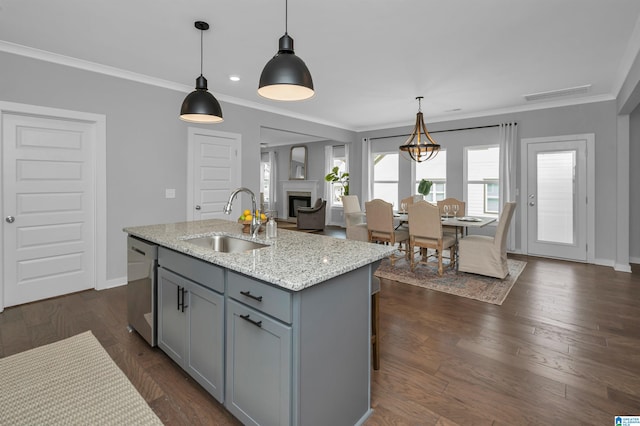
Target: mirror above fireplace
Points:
x,y
298,163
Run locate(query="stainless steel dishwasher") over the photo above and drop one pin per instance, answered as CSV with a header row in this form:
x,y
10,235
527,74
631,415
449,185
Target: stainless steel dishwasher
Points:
x,y
142,265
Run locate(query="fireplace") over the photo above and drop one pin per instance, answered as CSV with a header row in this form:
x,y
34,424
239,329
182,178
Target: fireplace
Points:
x,y
292,191
298,199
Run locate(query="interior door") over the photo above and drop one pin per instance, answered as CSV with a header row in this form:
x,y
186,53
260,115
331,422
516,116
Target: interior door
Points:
x,y
556,203
214,171
48,202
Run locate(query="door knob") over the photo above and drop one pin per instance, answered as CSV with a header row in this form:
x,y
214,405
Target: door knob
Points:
x,y
10,219
197,207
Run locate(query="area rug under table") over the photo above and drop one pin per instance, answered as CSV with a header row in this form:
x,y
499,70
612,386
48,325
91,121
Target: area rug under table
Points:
x,y
70,382
472,286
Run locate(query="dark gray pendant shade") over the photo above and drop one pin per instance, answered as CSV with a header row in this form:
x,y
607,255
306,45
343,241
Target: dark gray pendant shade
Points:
x,y
286,77
200,106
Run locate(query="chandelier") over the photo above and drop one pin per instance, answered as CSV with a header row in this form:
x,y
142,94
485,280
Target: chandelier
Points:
x,y
420,146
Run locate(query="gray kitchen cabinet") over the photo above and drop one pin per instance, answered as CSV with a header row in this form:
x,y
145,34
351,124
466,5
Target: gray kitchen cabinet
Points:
x,y
258,367
191,321
272,356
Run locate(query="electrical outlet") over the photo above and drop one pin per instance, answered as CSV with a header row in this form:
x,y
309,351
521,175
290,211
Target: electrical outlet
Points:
x,y
169,193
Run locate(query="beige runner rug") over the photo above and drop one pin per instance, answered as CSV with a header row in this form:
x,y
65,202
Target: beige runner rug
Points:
x,y
70,382
472,286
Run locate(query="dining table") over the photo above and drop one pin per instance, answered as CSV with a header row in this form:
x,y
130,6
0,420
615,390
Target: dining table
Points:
x,y
463,223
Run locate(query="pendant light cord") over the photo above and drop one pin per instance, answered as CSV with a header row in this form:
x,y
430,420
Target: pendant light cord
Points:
x,y
201,51
286,16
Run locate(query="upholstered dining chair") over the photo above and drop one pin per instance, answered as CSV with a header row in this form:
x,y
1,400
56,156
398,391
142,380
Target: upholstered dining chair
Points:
x,y
380,226
425,232
462,211
355,219
485,255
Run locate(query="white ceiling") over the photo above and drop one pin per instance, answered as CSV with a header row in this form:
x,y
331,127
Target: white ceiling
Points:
x,y
369,58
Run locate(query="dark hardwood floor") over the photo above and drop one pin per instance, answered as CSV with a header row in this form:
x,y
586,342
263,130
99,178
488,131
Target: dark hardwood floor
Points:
x,y
563,349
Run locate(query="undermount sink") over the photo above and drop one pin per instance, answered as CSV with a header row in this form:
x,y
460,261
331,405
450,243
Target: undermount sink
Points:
x,y
225,243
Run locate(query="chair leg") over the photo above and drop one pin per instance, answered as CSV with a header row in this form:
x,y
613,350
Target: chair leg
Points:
x,y
412,259
440,269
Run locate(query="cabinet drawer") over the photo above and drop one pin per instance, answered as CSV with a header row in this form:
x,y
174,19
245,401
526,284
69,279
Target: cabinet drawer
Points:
x,y
270,300
204,273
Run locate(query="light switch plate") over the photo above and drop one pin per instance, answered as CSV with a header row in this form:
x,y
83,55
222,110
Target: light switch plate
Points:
x,y
170,193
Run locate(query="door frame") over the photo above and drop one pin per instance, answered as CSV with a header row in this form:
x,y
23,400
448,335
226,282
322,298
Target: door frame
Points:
x,y
591,205
99,170
191,141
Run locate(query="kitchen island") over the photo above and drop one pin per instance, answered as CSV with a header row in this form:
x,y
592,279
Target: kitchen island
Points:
x,y
280,335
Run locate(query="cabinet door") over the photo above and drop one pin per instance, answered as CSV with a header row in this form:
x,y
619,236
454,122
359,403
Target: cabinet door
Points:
x,y
171,318
258,367
205,359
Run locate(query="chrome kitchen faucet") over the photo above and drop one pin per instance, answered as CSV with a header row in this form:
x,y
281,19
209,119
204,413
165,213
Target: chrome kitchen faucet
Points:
x,y
255,219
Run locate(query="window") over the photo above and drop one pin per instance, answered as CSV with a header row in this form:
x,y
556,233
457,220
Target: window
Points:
x,y
265,175
483,186
337,157
434,170
385,176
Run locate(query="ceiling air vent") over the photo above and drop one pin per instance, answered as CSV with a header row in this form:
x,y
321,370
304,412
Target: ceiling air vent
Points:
x,y
579,90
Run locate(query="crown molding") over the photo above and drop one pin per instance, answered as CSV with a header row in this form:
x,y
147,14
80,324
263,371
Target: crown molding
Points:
x,y
69,61
499,111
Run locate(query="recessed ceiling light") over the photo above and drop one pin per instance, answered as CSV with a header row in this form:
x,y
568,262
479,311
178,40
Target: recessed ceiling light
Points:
x,y
234,78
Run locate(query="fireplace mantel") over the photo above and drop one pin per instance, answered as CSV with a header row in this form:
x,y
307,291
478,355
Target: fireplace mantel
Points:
x,y
310,186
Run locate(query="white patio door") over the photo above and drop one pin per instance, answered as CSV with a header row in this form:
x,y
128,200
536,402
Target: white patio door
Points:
x,y
214,171
556,205
48,192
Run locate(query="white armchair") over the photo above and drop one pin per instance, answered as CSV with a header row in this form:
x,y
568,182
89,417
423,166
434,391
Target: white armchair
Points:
x,y
355,219
480,254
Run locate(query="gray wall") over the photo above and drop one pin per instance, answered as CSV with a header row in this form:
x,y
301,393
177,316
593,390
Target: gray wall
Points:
x,y
316,171
598,118
146,142
634,186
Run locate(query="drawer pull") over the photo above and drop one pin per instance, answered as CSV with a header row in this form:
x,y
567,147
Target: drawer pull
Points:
x,y
248,294
247,318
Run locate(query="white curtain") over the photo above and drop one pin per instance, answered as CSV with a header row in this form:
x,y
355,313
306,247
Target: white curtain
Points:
x,y
273,180
367,182
508,138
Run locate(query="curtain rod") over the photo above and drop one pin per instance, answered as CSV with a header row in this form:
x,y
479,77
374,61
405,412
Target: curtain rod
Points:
x,y
442,131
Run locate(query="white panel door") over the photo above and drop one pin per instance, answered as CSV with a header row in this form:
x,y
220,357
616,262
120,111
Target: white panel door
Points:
x,y
48,203
557,199
214,169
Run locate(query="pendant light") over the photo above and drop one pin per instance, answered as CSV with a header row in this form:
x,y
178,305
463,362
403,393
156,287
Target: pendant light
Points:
x,y
286,77
420,150
200,106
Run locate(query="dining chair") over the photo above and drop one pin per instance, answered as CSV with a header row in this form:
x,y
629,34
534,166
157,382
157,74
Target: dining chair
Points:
x,y
380,226
484,255
355,219
425,232
462,211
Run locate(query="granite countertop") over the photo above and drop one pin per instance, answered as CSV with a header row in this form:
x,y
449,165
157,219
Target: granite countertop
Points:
x,y
294,260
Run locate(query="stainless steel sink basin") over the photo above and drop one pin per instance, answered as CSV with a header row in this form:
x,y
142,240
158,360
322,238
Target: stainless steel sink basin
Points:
x,y
225,243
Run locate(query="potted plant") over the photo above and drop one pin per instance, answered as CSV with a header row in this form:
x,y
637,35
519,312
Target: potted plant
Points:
x,y
424,187
335,176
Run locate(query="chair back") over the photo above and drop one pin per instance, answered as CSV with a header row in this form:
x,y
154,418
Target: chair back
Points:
x,y
351,204
408,201
379,216
424,220
502,230
462,206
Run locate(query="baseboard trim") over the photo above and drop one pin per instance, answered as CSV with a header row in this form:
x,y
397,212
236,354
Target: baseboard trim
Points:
x,y
115,282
